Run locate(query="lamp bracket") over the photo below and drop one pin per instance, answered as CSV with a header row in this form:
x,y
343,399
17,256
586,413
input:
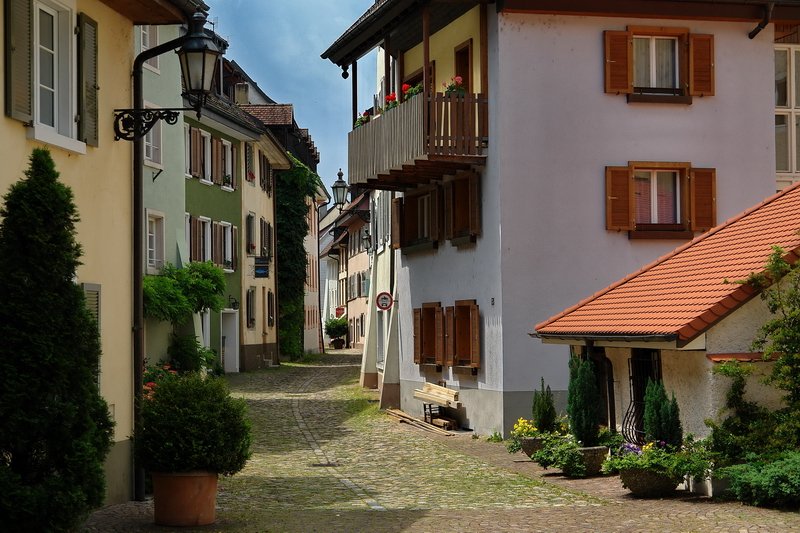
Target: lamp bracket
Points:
x,y
132,124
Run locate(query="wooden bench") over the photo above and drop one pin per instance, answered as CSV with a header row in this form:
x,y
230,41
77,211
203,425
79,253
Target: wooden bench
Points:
x,y
432,394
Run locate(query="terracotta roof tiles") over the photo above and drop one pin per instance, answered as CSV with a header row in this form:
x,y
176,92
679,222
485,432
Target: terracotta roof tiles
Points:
x,y
686,291
272,114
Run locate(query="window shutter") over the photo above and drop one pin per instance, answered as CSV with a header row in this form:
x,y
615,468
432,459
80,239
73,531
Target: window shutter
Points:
x,y
87,81
194,238
475,336
19,59
269,241
235,248
701,65
435,214
475,204
397,223
703,199
439,332
449,336
449,213
217,256
234,168
619,64
418,336
216,160
196,151
91,293
619,198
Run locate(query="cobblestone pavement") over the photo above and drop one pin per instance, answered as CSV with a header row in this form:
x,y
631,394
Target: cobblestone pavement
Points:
x,y
325,459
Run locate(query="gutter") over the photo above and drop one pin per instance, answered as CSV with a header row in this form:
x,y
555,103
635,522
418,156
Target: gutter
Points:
x,y
668,337
768,8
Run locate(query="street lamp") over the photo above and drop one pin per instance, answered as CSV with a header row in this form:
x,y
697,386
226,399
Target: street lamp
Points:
x,y
198,54
339,189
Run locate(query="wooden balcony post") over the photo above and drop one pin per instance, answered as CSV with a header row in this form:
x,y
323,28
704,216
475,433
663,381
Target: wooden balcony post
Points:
x,y
387,68
427,82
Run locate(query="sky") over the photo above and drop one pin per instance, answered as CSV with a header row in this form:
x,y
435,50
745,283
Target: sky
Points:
x,y
279,43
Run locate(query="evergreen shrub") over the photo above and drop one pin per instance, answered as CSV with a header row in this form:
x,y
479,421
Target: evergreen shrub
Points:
x,y
583,400
544,409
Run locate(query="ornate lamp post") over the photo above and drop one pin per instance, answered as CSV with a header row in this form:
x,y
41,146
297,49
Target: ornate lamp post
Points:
x,y
339,189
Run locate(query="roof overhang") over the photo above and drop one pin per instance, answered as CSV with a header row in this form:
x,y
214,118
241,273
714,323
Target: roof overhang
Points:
x,y
157,11
669,341
784,11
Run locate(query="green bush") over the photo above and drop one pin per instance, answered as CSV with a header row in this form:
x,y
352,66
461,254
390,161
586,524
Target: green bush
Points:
x,y
583,400
178,292
544,409
187,354
336,327
192,423
561,451
55,429
662,420
768,483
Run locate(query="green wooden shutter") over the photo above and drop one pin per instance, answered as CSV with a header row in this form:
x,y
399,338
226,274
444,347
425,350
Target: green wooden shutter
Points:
x,y
87,81
18,29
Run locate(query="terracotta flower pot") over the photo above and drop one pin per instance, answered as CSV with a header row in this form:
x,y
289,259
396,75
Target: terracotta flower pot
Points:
x,y
185,499
646,483
531,445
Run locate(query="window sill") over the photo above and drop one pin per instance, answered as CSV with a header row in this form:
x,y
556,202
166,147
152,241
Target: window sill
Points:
x,y
465,369
660,234
153,164
463,240
430,366
226,188
188,176
228,270
52,137
419,246
206,182
659,98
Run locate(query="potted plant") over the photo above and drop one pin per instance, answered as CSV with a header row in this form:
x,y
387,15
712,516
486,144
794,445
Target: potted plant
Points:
x,y
336,328
456,86
192,430
524,436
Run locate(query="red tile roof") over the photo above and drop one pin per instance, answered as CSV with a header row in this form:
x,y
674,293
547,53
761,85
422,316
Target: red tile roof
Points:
x,y
685,292
272,114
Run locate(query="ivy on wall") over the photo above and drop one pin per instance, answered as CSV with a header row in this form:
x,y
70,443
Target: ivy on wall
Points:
x,y
294,187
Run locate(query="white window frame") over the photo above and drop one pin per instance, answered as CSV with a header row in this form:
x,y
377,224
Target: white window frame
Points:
x,y
205,230
227,168
155,241
227,245
206,177
653,172
148,38
63,132
791,113
153,143
653,63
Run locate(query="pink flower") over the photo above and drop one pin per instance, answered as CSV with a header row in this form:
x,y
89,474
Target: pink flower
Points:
x,y
458,80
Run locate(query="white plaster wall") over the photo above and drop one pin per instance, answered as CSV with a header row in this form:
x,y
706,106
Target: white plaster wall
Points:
x,y
735,334
553,131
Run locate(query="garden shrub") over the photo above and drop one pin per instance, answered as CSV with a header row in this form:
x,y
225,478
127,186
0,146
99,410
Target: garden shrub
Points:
x,y
561,451
336,327
773,483
187,354
55,429
583,400
662,420
544,409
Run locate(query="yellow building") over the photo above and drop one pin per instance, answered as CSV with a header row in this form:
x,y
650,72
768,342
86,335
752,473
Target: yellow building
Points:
x,y
60,90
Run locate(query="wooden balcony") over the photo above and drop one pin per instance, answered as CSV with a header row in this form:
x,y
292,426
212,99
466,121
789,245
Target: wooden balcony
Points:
x,y
411,145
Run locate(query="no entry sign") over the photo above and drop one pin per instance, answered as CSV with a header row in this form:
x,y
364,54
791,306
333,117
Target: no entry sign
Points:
x,y
384,301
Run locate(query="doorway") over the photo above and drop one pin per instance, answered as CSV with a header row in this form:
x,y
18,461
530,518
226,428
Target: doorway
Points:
x,y
229,340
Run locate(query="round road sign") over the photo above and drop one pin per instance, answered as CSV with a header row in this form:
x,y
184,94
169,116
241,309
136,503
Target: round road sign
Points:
x,y
384,301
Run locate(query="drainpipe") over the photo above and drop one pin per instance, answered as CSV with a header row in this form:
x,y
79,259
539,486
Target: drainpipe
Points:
x,y
768,8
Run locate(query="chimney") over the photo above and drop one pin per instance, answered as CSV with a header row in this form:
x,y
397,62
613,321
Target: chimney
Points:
x,y
240,95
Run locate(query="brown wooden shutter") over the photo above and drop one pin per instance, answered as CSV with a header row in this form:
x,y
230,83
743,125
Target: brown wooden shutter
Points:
x,y
269,241
475,336
235,248
701,65
618,62
87,81
196,152
194,232
216,160
439,331
19,59
234,167
397,223
449,336
702,194
418,336
435,215
448,212
619,198
475,204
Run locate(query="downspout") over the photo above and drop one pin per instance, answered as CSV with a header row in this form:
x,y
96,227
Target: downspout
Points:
x,y
768,8
138,249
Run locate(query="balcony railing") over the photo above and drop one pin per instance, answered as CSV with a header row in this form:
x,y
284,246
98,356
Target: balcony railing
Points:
x,y
454,128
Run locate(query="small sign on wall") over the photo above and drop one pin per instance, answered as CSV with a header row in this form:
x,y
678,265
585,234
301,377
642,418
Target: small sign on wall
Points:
x,y
261,267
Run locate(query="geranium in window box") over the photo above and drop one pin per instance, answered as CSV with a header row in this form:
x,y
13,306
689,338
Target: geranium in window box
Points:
x,y
391,101
456,86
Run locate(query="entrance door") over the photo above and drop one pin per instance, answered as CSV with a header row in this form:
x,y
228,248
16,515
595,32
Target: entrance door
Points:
x,y
229,340
643,365
604,374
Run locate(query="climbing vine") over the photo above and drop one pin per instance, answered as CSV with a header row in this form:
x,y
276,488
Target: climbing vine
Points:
x,y
294,188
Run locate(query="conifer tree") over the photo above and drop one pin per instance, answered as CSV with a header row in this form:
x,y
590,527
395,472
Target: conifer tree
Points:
x,y
55,430
583,399
661,416
544,409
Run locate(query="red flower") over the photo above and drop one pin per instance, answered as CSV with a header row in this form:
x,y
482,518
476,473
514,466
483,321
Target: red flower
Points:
x,y
406,87
391,97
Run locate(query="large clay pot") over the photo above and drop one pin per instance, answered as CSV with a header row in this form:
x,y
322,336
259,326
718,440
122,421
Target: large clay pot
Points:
x,y
185,498
593,458
645,483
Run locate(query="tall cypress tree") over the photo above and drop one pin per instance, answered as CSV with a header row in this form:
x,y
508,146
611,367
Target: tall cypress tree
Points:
x,y
583,400
55,430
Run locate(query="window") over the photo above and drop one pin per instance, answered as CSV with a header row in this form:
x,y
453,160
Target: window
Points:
x,y
463,64
660,200
228,179
51,72
462,210
264,173
224,247
250,233
270,308
155,241
787,114
365,283
415,220
249,174
149,39
659,64
196,155
250,307
205,157
152,144
187,150
462,334
200,239
266,239
429,334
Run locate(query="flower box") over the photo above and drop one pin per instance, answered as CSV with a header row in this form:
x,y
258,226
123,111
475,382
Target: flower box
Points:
x,y
646,483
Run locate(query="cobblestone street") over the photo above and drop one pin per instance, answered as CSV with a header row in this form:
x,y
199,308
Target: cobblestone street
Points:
x,y
325,459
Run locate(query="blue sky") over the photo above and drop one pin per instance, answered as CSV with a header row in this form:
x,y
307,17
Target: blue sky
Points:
x,y
279,42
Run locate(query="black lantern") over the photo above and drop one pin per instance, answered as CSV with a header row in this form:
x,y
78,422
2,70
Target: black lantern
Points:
x,y
198,56
339,189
